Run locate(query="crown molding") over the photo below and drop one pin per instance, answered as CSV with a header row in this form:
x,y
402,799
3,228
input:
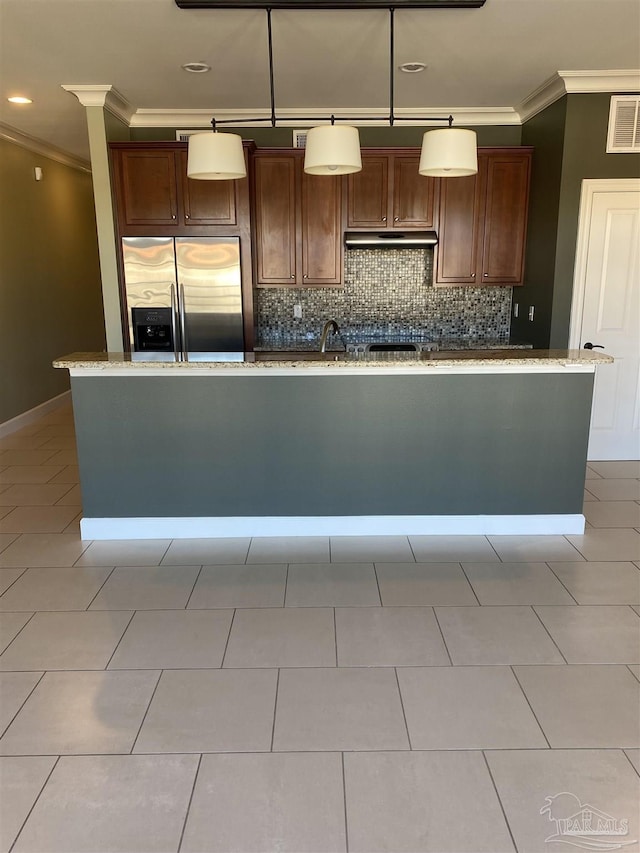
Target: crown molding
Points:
x,y
576,82
10,134
292,117
105,96
618,82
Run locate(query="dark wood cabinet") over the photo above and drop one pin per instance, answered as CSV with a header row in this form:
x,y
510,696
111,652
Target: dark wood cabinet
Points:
x,y
153,197
298,223
483,221
390,193
146,187
152,190
207,202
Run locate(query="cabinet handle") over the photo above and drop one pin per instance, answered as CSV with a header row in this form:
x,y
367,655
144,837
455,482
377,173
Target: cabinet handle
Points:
x,y
186,216
305,276
384,218
292,276
486,275
396,219
173,216
473,275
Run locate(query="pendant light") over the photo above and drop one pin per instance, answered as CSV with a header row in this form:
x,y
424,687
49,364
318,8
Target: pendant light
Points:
x,y
332,150
449,152
215,156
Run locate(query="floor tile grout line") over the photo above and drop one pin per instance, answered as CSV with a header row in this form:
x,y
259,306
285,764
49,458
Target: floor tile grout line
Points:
x,y
226,645
532,607
13,639
629,665
495,788
404,713
344,799
100,590
24,702
186,816
535,716
415,559
473,590
286,583
493,548
144,716
35,802
375,574
275,710
547,564
15,580
446,648
629,760
106,669
195,583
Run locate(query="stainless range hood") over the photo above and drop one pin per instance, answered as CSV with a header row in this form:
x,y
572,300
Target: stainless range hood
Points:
x,y
390,240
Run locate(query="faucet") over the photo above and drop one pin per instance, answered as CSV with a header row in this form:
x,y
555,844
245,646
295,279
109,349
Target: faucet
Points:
x,y
329,326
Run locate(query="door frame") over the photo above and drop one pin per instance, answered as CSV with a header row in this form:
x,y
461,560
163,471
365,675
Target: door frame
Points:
x,y
590,187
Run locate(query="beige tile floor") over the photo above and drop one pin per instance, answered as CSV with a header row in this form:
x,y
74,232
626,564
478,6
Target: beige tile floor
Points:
x,y
430,693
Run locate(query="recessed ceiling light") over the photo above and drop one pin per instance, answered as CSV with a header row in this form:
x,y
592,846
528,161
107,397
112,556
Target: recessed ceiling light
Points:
x,y
19,99
197,67
412,67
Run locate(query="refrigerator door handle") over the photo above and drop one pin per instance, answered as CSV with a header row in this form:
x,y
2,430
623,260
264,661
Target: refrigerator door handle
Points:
x,y
183,329
174,310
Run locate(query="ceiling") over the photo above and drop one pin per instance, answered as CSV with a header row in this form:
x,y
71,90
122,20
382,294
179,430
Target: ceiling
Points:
x,y
491,59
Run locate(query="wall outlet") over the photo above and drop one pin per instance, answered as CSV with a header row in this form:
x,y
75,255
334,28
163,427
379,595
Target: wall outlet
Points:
x,y
297,311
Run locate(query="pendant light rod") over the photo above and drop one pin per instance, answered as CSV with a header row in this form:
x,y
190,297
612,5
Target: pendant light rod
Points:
x,y
391,69
272,90
273,119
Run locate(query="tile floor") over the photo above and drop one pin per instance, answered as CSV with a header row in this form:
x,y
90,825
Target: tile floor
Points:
x,y
364,694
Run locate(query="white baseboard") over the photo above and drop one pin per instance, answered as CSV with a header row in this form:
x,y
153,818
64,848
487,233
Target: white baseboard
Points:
x,y
32,415
364,525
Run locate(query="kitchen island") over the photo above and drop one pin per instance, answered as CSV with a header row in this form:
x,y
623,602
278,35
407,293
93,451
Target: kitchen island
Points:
x,y
485,442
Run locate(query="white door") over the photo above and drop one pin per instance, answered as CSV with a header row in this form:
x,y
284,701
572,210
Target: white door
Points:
x,y
606,311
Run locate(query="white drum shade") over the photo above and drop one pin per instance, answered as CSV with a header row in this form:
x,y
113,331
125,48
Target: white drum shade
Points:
x,y
215,157
332,150
450,152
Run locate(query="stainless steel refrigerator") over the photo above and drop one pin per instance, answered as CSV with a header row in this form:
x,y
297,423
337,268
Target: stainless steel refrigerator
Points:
x,y
183,298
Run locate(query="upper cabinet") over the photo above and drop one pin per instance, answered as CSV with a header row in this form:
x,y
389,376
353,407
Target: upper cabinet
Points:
x,y
483,221
390,193
298,223
152,191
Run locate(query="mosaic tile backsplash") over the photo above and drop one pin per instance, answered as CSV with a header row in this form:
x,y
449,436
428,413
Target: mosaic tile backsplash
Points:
x,y
387,293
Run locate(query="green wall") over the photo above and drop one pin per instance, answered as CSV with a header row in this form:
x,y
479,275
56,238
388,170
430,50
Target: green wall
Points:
x,y
585,156
545,132
570,139
370,137
50,276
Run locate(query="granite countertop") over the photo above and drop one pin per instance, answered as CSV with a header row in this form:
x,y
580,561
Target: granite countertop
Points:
x,y
336,362
444,345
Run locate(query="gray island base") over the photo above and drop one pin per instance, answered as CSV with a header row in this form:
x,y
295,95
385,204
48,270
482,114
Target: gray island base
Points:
x,y
471,446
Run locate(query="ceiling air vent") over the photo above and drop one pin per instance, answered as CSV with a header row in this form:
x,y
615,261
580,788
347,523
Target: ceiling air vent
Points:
x,y
300,138
183,135
624,125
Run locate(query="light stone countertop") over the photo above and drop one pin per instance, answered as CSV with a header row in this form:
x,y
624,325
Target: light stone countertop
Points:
x,y
495,361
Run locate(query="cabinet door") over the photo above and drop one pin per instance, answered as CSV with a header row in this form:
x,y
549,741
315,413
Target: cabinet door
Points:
x,y
459,234
207,202
147,187
275,219
413,194
321,223
505,219
368,194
